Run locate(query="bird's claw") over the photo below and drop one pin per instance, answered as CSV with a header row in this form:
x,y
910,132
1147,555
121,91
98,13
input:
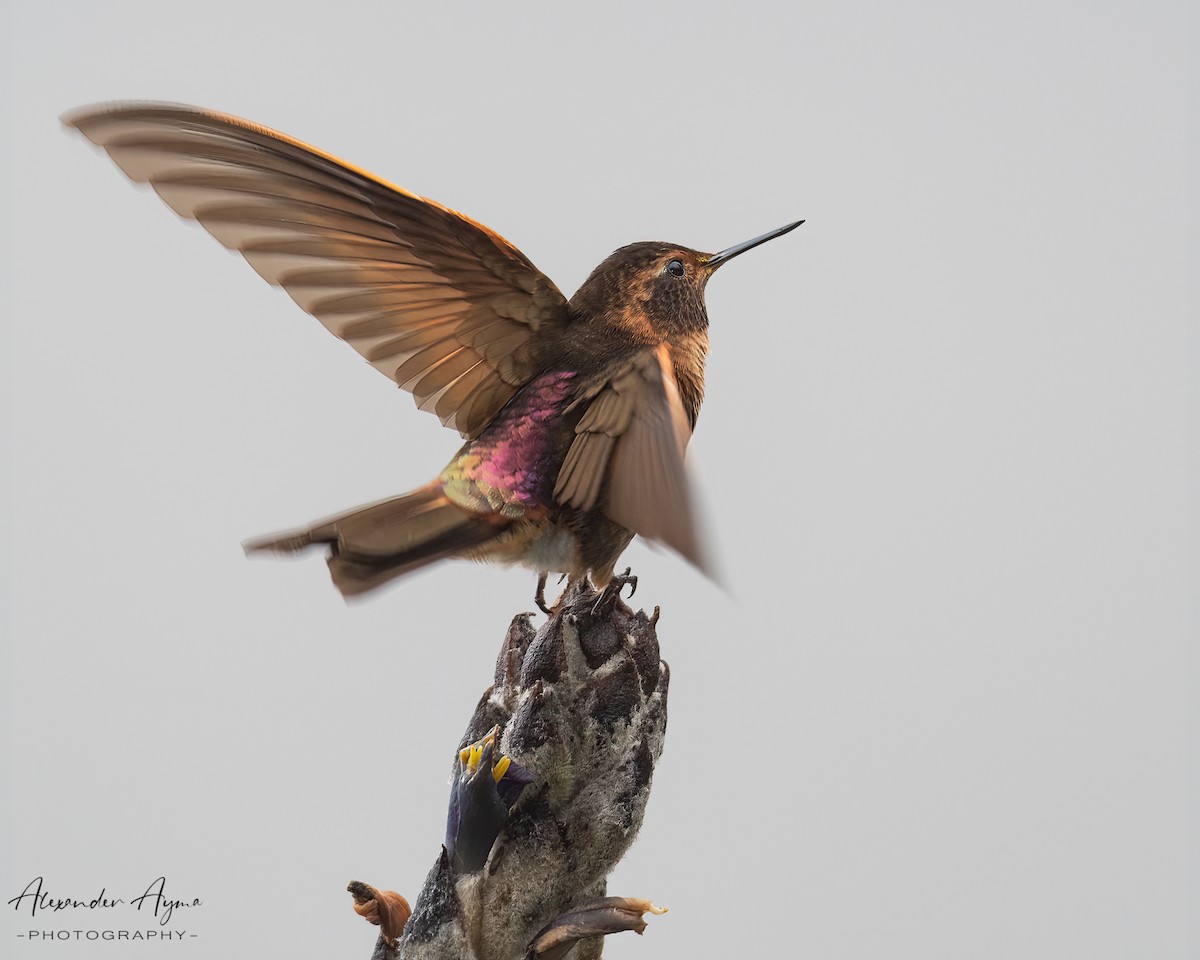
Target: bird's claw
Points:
x,y
539,597
612,590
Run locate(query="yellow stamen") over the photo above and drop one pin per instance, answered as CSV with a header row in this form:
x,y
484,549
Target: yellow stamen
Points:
x,y
471,755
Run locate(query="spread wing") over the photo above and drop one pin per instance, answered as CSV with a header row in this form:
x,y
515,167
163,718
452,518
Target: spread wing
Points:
x,y
445,307
634,433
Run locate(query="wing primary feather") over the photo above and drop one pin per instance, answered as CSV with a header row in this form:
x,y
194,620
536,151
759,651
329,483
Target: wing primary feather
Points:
x,y
375,263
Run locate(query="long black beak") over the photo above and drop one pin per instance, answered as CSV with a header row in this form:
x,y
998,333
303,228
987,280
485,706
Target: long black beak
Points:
x,y
725,255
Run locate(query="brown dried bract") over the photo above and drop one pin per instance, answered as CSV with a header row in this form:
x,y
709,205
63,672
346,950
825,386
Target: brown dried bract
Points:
x,y
594,918
385,908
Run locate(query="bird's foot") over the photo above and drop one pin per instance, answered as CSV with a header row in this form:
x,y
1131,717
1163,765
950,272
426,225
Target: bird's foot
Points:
x,y
612,590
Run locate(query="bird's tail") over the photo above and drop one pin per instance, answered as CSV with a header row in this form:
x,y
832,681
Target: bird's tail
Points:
x,y
372,545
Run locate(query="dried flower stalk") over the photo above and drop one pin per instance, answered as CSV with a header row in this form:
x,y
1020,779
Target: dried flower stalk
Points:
x,y
549,788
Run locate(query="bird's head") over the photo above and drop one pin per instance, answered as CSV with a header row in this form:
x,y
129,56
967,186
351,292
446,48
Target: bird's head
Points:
x,y
657,289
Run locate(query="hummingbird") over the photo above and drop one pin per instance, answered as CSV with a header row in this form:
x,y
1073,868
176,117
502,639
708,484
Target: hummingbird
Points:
x,y
576,414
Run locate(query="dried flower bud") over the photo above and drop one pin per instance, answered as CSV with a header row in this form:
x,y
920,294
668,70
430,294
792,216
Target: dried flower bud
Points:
x,y
480,798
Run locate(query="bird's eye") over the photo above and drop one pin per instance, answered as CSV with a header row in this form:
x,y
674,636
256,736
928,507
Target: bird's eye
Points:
x,y
675,268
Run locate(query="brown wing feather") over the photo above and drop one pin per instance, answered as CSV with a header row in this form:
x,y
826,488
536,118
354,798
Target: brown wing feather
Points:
x,y
634,433
439,303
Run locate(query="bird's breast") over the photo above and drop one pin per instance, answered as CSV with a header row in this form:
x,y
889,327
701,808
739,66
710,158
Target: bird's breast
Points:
x,y
689,352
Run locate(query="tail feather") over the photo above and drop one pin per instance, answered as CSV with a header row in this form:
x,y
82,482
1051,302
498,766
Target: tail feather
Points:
x,y
374,544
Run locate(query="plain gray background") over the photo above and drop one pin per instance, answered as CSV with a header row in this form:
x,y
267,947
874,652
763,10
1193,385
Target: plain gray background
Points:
x,y
942,710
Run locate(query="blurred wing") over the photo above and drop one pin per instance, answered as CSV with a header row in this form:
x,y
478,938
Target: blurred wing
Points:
x,y
635,432
445,307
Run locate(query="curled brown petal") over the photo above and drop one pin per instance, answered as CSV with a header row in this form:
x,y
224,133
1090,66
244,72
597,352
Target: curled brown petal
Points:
x,y
595,918
385,908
